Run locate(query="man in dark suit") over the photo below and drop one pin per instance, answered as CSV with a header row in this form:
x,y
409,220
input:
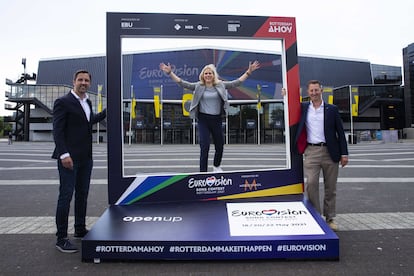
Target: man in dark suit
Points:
x,y
73,119
321,139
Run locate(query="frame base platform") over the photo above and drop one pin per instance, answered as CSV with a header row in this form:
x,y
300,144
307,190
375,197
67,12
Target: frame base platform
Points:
x,y
282,227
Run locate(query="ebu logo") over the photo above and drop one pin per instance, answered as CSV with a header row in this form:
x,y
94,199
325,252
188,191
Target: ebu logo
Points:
x,y
127,24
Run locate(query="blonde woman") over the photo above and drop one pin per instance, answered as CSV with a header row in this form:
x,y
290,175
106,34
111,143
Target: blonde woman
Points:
x,y
209,102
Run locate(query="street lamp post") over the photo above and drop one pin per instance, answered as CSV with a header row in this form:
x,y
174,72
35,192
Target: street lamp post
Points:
x,y
24,70
259,108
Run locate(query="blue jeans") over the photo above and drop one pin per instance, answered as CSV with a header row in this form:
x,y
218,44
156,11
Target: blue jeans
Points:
x,y
210,124
78,181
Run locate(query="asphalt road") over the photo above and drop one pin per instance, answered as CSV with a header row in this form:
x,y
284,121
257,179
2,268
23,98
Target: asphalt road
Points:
x,y
375,213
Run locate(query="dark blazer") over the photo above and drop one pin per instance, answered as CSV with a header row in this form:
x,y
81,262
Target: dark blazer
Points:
x,y
333,128
72,132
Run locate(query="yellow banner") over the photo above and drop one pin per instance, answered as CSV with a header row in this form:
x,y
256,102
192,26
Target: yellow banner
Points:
x,y
284,190
355,106
133,104
157,103
100,98
157,106
186,103
258,96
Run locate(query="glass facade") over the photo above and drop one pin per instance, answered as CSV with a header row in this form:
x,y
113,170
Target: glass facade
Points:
x,y
333,72
372,106
243,125
368,96
385,74
408,60
45,94
42,97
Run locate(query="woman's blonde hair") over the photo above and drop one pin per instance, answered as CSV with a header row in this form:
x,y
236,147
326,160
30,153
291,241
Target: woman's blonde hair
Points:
x,y
213,69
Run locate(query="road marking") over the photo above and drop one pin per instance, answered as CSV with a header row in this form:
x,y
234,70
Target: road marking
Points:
x,y
44,182
27,160
346,222
195,166
371,180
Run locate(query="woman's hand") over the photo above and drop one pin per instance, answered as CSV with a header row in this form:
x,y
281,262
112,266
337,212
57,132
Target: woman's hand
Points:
x,y
166,68
253,66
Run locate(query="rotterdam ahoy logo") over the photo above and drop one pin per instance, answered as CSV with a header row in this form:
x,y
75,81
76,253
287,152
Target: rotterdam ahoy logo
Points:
x,y
280,27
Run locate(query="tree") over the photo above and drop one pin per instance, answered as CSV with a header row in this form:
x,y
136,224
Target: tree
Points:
x,y
5,128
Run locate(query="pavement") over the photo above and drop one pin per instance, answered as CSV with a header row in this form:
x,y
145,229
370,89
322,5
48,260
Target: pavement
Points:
x,y
375,216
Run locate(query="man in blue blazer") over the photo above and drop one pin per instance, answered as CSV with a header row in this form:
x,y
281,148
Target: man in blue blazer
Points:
x,y
73,119
321,140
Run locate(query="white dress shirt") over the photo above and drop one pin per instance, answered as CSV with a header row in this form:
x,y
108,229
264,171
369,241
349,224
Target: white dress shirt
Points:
x,y
315,124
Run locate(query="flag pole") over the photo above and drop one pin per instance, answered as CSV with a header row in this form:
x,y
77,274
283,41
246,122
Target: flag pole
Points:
x,y
258,107
130,116
99,110
162,116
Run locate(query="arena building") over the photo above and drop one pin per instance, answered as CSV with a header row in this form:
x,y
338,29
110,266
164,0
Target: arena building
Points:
x,y
370,96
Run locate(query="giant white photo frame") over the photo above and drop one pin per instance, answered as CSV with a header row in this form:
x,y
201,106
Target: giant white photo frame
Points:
x,y
129,190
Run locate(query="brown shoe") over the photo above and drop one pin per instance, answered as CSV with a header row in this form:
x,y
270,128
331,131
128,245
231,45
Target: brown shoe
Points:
x,y
332,225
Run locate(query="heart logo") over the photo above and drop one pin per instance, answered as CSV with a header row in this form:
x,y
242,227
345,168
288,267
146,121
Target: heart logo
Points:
x,y
211,180
269,212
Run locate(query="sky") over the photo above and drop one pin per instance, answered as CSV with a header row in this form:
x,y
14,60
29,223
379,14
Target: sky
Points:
x,y
373,30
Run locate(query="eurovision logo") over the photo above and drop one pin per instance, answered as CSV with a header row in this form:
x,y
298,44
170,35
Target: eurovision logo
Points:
x,y
271,218
209,185
209,182
268,213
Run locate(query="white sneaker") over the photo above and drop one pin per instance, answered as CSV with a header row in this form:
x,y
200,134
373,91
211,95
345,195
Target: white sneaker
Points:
x,y
332,225
217,169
